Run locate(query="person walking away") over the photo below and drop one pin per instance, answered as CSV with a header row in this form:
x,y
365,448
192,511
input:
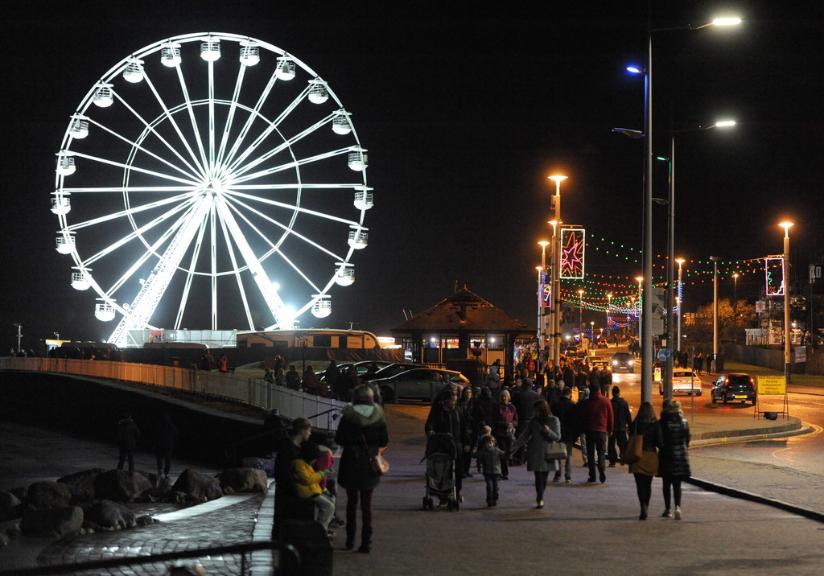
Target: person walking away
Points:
x,y
467,409
287,450
580,427
494,379
524,402
311,382
674,465
333,379
698,362
165,439
307,483
280,376
128,435
565,411
597,418
362,434
506,423
646,426
292,378
542,429
709,360
489,460
621,420
447,419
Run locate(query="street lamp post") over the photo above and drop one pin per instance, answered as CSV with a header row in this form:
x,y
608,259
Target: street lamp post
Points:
x,y
679,301
556,269
715,260
581,315
640,280
646,304
786,280
541,332
591,332
549,318
735,307
609,306
539,269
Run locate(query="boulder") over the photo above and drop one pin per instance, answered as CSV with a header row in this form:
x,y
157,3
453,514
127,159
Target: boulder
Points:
x,y
108,515
55,522
243,480
4,540
120,486
81,484
9,506
197,486
48,494
21,492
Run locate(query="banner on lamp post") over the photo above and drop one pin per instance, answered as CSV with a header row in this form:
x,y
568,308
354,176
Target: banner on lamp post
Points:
x,y
573,243
774,275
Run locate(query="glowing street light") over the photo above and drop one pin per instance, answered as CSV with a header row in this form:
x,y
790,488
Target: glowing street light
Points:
x,y
555,206
786,225
679,300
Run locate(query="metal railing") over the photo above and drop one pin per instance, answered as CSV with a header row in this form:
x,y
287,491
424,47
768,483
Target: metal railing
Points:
x,y
289,560
322,411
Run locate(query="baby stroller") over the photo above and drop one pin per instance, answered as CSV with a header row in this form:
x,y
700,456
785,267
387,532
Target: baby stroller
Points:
x,y
440,471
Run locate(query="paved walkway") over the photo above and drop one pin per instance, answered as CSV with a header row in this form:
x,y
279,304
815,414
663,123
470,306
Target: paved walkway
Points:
x,y
584,529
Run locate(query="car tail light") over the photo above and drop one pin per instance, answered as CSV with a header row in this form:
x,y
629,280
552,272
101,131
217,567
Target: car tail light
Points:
x,y
726,383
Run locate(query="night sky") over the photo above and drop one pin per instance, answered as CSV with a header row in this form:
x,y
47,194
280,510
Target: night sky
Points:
x,y
464,113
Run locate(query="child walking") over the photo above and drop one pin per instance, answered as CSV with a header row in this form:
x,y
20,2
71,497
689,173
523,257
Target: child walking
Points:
x,y
489,457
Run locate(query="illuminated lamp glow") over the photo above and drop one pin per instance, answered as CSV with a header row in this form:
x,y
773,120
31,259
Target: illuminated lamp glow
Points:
x,y
632,69
726,21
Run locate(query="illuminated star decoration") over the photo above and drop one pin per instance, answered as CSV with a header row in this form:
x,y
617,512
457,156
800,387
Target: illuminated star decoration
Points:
x,y
572,253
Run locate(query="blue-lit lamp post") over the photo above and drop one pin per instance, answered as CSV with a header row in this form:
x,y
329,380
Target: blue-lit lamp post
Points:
x,y
646,311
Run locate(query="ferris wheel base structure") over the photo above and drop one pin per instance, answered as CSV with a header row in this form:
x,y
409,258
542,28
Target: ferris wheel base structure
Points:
x,y
208,338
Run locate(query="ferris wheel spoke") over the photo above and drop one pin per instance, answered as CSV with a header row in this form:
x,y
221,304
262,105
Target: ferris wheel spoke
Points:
x,y
195,169
252,115
133,144
269,129
233,260
127,212
281,147
274,248
156,245
135,233
211,165
185,90
261,277
292,164
297,186
190,274
213,261
297,235
129,189
294,207
227,128
191,183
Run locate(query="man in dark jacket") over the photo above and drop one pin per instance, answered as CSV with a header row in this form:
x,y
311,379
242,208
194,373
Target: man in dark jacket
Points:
x,y
447,419
597,419
569,375
622,418
524,402
564,410
128,435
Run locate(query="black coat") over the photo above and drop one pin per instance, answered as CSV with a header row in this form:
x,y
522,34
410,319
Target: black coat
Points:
x,y
360,435
485,412
569,377
565,410
452,422
524,403
128,434
673,459
620,414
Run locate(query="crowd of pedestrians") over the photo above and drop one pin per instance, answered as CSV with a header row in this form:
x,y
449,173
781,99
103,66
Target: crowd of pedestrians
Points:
x,y
540,426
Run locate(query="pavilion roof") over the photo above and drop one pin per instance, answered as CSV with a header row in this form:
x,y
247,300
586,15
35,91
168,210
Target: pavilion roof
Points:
x,y
462,310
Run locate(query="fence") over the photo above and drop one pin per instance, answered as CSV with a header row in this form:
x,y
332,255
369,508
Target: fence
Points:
x,y
322,411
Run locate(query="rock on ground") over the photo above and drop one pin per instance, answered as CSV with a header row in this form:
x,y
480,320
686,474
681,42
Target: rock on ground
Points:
x,y
243,480
9,506
197,486
48,494
81,484
52,521
121,486
108,515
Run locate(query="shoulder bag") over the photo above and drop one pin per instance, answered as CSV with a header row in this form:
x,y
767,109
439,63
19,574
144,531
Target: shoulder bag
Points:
x,y
377,463
635,448
554,450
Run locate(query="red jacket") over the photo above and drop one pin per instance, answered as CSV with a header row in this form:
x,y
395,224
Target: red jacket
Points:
x,y
597,414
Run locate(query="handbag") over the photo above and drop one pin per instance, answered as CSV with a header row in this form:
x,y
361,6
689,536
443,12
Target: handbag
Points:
x,y
554,450
635,449
377,463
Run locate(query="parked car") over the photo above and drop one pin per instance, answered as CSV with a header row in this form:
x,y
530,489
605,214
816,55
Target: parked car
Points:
x,y
684,381
622,362
733,387
391,370
418,384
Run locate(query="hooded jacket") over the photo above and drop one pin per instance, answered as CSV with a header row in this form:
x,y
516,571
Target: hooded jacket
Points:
x,y
361,432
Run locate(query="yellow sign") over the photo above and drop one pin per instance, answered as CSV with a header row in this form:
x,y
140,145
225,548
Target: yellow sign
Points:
x,y
772,385
656,374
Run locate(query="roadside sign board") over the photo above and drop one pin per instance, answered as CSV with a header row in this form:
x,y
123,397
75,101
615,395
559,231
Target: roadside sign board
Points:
x,y
772,385
799,354
657,374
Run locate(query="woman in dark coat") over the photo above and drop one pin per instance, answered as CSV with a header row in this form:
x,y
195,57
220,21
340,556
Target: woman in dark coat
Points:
x,y
674,464
506,422
542,429
362,433
646,426
467,407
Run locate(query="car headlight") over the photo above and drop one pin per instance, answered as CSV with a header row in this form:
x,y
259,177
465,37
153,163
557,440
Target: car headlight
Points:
x,y
615,362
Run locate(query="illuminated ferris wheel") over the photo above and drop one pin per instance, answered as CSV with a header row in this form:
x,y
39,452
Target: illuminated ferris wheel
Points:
x,y
212,180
